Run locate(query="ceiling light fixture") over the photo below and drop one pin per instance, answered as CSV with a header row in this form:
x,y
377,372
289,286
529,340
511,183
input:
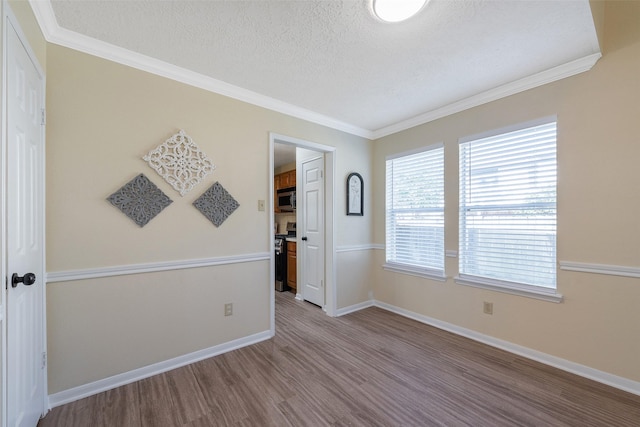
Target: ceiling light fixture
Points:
x,y
397,10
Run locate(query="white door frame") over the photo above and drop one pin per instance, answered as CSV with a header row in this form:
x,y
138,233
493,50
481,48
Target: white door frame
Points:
x,y
9,19
329,196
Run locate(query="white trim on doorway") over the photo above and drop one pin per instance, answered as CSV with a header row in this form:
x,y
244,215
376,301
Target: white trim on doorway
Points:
x,y
330,250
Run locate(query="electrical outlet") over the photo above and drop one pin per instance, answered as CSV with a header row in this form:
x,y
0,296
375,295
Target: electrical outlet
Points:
x,y
488,308
261,205
228,309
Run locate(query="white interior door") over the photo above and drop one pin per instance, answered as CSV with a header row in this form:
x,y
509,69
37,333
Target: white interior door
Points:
x,y
312,242
25,235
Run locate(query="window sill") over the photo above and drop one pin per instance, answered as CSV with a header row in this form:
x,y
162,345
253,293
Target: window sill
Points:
x,y
540,293
415,271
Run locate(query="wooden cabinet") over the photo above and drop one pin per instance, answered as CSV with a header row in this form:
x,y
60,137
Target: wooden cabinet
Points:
x,y
282,180
288,179
292,266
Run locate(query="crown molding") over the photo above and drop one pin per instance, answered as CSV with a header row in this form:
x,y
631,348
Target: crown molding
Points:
x,y
55,34
545,77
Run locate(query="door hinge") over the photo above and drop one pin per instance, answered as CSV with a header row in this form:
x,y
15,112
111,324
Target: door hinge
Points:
x,y
44,359
43,117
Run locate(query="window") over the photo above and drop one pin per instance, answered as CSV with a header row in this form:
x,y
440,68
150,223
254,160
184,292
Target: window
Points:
x,y
508,209
415,212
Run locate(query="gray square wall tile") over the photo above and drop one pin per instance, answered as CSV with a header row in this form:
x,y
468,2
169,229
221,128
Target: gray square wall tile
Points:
x,y
140,200
216,204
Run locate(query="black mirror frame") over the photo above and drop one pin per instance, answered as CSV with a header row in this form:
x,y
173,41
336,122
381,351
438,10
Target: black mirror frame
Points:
x,y
360,195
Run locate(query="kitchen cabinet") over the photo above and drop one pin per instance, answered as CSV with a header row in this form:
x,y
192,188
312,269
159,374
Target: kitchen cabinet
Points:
x,y
284,180
292,266
287,179
280,181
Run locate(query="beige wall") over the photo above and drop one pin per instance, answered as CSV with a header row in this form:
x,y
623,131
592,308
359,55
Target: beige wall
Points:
x,y
103,117
598,324
102,327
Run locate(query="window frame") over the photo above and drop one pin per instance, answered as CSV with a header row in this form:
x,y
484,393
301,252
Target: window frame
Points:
x,y
411,269
521,289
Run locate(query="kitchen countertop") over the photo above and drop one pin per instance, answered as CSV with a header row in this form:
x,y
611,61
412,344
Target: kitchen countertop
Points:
x,y
292,239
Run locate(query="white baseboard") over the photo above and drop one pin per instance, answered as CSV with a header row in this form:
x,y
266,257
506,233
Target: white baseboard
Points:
x,y
352,308
547,359
99,386
96,387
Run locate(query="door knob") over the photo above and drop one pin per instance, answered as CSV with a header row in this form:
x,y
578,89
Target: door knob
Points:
x,y
28,279
304,238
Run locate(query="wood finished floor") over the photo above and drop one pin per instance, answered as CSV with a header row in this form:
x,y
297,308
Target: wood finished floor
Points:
x,y
369,368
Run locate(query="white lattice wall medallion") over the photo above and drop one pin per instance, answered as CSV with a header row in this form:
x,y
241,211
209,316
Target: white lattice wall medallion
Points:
x,y
180,162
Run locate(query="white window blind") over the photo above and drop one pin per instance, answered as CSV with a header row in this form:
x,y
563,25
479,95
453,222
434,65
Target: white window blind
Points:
x,y
508,207
415,210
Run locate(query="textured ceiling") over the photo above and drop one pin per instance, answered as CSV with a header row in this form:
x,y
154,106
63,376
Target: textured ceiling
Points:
x,y
332,57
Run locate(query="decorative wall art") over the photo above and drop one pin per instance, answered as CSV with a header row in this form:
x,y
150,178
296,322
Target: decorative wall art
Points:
x,y
355,201
180,162
140,200
216,204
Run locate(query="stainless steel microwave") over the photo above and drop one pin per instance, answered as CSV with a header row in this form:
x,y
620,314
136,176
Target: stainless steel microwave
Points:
x,y
287,199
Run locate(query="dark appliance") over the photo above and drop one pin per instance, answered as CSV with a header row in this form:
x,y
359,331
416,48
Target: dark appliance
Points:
x,y
287,199
281,262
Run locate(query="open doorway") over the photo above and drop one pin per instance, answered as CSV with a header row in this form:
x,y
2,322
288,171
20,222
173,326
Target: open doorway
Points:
x,y
317,182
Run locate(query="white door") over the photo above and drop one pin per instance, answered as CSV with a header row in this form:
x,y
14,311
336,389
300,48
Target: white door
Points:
x,y
25,236
312,247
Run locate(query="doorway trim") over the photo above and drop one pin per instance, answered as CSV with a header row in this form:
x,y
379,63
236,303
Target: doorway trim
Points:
x,y
329,154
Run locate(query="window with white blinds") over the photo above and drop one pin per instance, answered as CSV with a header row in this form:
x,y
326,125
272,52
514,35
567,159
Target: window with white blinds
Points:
x,y
415,212
508,208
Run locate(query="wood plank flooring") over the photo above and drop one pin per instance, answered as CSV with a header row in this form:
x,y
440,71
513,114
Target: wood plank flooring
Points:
x,y
369,368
